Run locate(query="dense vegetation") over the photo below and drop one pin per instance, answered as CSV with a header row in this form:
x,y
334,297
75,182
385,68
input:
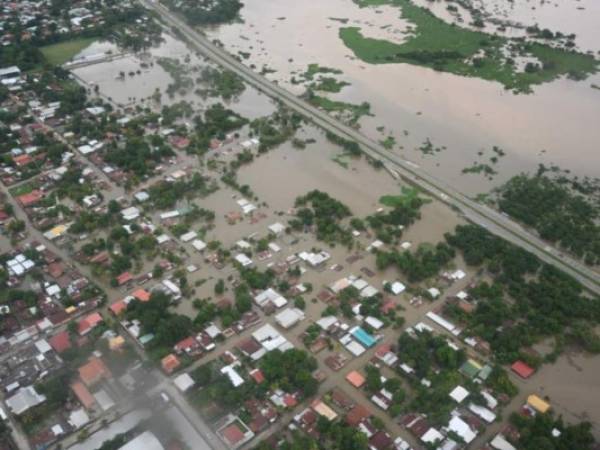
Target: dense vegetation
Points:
x,y
405,211
291,371
445,47
221,83
138,156
168,328
333,436
325,213
206,12
528,301
275,129
536,433
556,212
420,265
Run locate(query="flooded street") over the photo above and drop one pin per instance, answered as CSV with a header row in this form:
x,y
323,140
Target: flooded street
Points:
x,y
573,387
555,125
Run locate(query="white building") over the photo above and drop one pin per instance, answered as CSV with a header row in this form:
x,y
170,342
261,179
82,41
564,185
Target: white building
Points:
x,y
289,317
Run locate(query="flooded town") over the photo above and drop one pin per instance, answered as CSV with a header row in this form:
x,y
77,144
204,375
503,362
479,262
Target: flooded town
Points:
x,y
345,225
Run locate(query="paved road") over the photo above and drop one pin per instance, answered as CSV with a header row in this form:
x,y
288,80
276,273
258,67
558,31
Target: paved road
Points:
x,y
490,219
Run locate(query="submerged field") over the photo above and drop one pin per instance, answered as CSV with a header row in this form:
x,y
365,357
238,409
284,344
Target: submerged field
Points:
x,y
445,47
58,54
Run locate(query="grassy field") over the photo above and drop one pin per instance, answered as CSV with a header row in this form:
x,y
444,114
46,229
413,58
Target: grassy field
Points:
x,y
58,54
449,48
408,195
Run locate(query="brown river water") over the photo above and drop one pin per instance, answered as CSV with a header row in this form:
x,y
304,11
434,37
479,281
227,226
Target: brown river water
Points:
x,y
554,125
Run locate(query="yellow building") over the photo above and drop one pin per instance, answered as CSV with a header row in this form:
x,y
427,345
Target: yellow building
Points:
x,y
538,404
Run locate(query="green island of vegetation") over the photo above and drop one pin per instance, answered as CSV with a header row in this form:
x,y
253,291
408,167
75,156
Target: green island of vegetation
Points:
x,y
350,112
449,48
220,83
328,84
558,212
60,53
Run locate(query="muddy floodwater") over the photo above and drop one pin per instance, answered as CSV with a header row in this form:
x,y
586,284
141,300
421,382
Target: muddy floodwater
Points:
x,y
138,88
557,124
572,387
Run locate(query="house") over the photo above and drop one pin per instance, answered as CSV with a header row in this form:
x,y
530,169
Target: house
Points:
x,y
94,371
357,414
189,345
380,441
141,294
458,394
397,288
184,382
270,296
257,376
118,307
124,278
538,404
60,342
233,375
462,429
170,363
30,198
83,395
88,323
324,410
289,317
24,399
233,432
522,369
146,441
355,379
276,228
130,213
243,260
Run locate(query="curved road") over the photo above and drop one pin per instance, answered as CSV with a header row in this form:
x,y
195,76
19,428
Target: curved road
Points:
x,y
477,213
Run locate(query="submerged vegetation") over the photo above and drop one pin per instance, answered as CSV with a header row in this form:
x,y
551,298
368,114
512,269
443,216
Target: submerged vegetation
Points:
x,y
348,112
220,83
527,300
449,48
558,213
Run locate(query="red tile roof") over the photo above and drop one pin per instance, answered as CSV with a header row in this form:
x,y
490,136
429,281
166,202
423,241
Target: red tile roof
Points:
x,y
169,363
232,434
289,400
88,323
118,307
60,342
522,369
31,198
357,415
22,160
355,379
93,371
142,295
189,343
257,375
83,395
125,277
